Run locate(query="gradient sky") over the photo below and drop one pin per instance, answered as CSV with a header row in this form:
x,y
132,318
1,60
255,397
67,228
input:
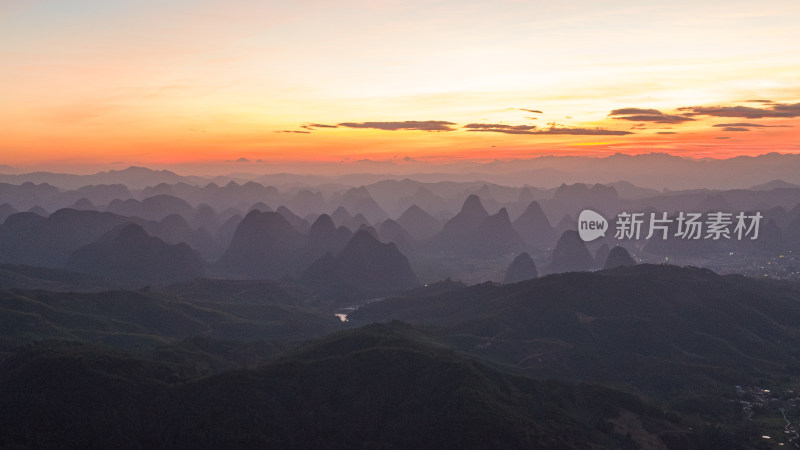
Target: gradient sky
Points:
x,y
97,83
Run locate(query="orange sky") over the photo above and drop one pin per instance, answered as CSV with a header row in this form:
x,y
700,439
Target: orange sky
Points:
x,y
95,84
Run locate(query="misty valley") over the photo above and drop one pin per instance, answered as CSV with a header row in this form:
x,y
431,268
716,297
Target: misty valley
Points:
x,y
146,309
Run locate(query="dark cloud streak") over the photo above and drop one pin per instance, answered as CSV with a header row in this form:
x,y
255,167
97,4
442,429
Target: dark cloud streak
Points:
x,y
531,129
775,110
750,125
424,125
647,115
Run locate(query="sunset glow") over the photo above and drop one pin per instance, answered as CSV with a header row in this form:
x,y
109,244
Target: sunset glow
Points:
x,y
98,84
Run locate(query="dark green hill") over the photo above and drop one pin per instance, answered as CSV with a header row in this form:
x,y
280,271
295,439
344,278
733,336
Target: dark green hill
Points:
x,y
15,276
142,319
660,329
69,395
239,291
381,386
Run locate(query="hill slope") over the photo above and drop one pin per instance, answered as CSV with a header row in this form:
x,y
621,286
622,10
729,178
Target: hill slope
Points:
x,y
383,386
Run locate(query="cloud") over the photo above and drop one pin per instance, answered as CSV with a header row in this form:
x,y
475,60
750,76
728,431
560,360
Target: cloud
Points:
x,y
424,125
243,160
748,112
722,137
628,111
314,126
750,125
506,131
584,131
735,129
535,111
647,115
666,132
531,129
501,128
293,131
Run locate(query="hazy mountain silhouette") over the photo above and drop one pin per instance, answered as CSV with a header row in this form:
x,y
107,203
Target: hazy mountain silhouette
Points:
x,y
391,231
533,225
206,217
152,208
369,229
566,223
174,229
26,238
263,246
322,232
425,199
307,202
260,206
365,263
579,195
617,257
297,222
570,254
521,269
496,236
458,232
322,238
357,222
358,200
84,204
774,184
39,211
419,223
127,254
27,195
341,216
128,207
601,255
228,229
232,194
133,177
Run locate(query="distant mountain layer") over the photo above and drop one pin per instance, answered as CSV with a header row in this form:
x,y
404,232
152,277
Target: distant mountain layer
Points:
x,y
473,232
129,255
654,170
521,269
365,263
